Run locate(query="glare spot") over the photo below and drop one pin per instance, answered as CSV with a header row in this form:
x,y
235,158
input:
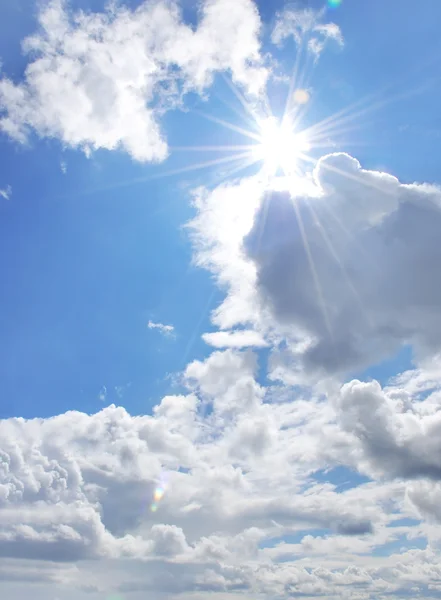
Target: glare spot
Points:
x,y
279,146
334,3
158,493
301,96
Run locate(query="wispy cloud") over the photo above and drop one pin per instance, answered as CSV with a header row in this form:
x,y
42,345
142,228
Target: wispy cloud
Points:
x,y
306,27
6,192
167,330
102,396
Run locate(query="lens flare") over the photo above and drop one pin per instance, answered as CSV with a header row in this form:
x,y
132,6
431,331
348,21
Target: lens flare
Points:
x,y
158,493
334,3
301,96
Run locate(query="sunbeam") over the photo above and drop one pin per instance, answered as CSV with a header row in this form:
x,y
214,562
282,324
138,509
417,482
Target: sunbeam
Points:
x,y
339,262
313,269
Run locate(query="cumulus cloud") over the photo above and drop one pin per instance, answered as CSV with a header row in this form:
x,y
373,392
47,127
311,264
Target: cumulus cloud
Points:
x,y
232,487
236,469
391,432
344,267
166,330
102,80
366,253
306,27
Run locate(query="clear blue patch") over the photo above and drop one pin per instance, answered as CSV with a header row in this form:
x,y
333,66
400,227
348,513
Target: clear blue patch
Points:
x,y
405,522
342,477
384,370
400,544
294,538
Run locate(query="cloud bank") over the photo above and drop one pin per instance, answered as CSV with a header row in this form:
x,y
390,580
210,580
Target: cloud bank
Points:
x,y
242,509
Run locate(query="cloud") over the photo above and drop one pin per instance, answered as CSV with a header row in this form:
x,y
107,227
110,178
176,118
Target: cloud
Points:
x,y
307,28
366,252
234,339
340,271
102,80
167,330
391,433
75,488
6,192
241,512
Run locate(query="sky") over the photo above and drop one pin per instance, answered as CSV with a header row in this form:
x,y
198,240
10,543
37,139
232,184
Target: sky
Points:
x,y
220,327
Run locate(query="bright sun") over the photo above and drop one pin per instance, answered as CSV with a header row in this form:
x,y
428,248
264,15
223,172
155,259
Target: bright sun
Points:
x,y
279,146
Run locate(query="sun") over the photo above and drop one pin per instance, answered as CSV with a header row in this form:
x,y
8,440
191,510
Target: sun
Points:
x,y
279,146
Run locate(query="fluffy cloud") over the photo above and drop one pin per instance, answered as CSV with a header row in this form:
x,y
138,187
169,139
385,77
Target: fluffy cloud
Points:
x,y
236,463
390,432
306,27
102,80
343,268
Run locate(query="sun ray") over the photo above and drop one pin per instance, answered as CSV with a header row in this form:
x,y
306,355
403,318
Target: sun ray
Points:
x,y
196,330
244,116
293,81
250,134
252,111
329,125
326,135
339,262
241,167
164,174
315,277
219,148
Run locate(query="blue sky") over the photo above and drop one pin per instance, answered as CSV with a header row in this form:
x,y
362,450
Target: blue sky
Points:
x,y
133,244
91,255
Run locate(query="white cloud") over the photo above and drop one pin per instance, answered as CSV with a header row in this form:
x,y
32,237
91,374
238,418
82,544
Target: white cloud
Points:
x,y
167,330
390,432
369,273
102,80
200,497
6,192
307,28
236,478
234,339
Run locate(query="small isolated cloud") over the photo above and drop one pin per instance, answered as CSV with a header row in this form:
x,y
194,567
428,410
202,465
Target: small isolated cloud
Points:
x,y
167,330
103,80
306,27
102,396
6,192
63,167
235,339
